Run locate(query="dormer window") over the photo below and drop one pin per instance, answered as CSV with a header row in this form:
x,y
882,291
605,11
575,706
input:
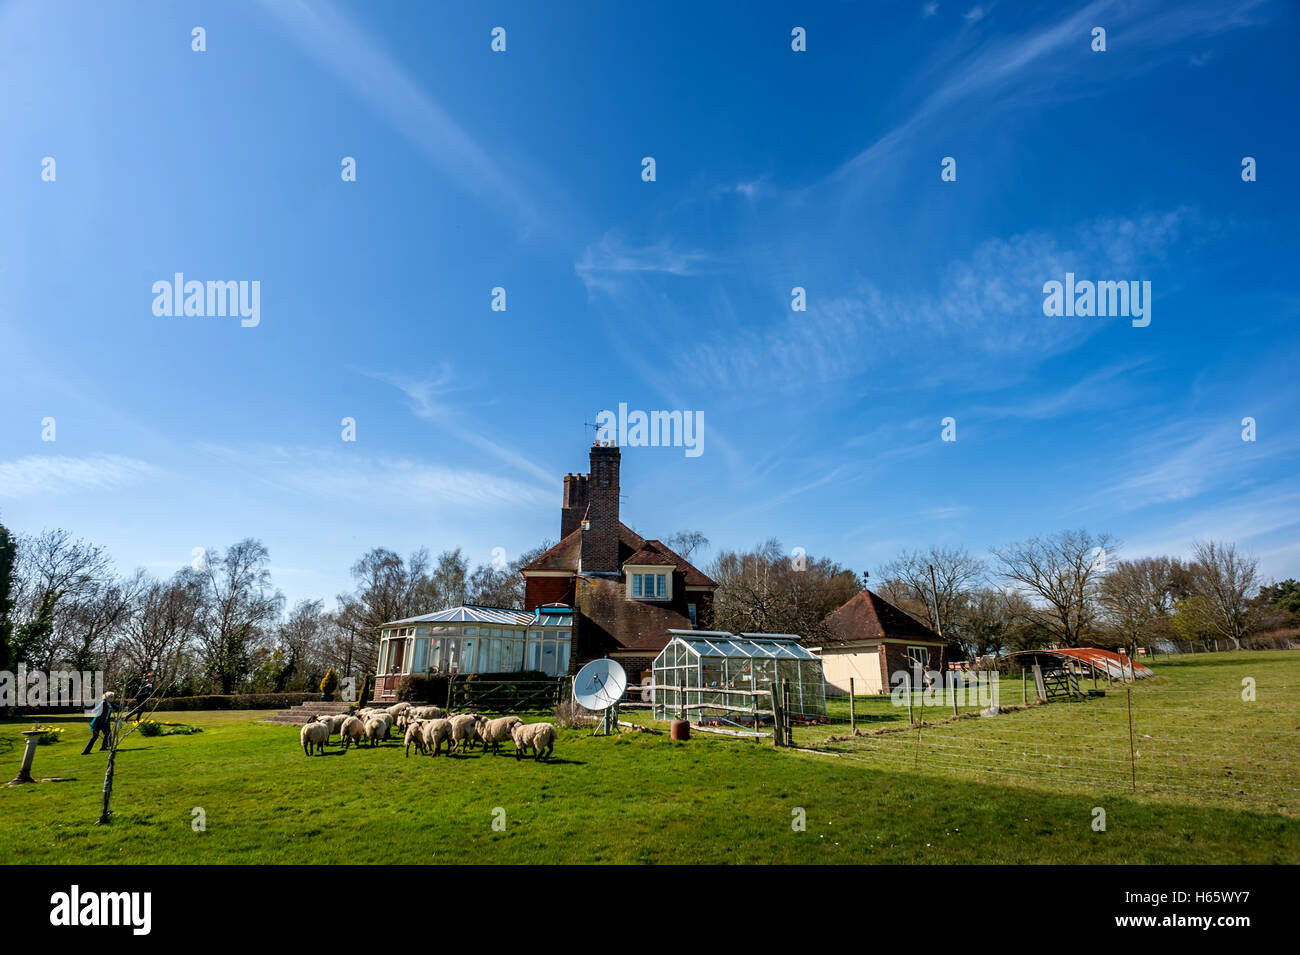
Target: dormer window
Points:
x,y
649,583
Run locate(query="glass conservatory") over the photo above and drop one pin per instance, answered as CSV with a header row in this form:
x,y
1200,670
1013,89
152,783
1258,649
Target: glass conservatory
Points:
x,y
473,639
711,674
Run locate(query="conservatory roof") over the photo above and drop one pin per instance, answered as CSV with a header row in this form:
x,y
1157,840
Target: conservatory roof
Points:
x,y
548,616
717,643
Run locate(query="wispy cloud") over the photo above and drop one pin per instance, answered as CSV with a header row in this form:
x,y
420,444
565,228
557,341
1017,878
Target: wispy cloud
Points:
x,y
385,480
1032,67
425,399
988,304
56,474
604,263
361,63
1183,459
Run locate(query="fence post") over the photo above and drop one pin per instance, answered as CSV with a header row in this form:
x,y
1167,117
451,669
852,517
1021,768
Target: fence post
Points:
x,y
909,697
681,698
952,681
776,716
1024,687
853,709
1132,757
1040,688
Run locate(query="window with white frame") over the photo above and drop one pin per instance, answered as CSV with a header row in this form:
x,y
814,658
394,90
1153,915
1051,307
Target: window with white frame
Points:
x,y
649,584
548,651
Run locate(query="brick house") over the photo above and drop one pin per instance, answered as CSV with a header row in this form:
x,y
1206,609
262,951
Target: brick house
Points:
x,y
869,639
626,591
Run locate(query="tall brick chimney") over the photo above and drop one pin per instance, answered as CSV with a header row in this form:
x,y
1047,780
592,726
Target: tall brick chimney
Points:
x,y
574,508
600,533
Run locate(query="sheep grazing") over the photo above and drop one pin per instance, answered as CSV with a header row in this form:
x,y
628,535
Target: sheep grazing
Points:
x,y
495,732
540,736
436,732
464,730
333,721
352,731
376,729
397,709
414,734
315,735
425,712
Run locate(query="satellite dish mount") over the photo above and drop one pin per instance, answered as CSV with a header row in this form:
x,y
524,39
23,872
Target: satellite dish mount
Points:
x,y
600,686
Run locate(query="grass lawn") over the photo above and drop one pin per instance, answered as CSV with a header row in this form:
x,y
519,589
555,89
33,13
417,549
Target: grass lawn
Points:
x,y
642,798
1194,737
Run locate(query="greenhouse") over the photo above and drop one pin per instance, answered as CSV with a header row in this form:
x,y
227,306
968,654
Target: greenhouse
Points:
x,y
704,674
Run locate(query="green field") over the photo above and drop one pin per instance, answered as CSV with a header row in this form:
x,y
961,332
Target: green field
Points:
x,y
643,798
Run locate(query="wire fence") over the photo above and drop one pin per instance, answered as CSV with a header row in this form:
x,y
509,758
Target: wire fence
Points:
x,y
1224,742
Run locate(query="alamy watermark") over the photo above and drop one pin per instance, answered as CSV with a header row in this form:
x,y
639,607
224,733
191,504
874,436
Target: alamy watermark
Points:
x,y
195,299
653,429
977,688
53,688
1085,298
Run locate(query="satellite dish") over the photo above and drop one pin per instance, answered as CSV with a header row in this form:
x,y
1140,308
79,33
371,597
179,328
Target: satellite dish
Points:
x,y
599,685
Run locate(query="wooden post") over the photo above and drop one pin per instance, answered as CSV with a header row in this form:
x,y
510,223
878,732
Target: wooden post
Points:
x,y
753,706
853,709
1132,756
909,698
681,697
952,687
777,738
1024,686
1040,687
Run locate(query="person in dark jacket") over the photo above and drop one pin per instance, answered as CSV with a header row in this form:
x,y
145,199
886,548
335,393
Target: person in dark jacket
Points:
x,y
101,721
141,697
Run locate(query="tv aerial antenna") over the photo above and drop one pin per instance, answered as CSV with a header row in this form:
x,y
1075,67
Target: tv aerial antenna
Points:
x,y
600,686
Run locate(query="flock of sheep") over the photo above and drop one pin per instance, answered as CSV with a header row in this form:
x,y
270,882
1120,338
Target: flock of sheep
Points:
x,y
427,728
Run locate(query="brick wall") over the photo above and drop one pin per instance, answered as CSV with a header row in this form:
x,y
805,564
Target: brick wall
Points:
x,y
547,590
600,539
574,506
895,659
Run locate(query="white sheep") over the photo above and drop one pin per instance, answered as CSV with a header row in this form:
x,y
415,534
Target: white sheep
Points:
x,y
316,735
540,736
397,709
333,721
464,730
495,732
376,729
352,731
414,734
437,732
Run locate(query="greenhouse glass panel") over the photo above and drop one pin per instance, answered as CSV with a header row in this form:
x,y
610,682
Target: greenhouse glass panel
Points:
x,y
721,671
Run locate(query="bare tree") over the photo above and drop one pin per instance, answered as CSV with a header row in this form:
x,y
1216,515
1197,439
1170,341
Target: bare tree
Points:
x,y
1139,599
491,586
763,591
238,607
1223,579
1062,573
300,640
956,572
387,588
685,543
54,573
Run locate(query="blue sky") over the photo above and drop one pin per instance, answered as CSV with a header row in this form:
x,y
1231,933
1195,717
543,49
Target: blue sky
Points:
x,y
522,169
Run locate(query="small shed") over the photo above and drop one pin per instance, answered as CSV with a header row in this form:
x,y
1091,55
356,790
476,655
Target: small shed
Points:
x,y
719,672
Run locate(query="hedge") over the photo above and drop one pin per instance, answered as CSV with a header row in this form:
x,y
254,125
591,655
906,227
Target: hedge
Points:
x,y
240,701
